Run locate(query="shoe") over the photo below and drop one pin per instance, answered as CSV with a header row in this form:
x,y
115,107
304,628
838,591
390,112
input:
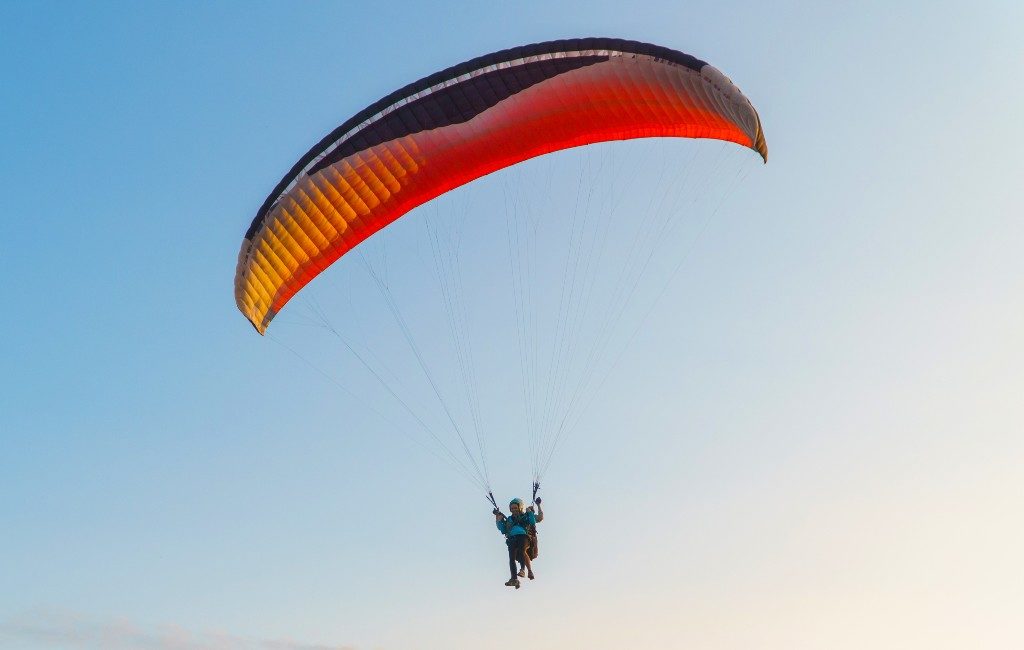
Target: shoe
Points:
x,y
530,575
522,573
514,582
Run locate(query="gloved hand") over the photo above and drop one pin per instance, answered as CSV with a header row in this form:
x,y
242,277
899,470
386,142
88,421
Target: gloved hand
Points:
x,y
537,501
495,512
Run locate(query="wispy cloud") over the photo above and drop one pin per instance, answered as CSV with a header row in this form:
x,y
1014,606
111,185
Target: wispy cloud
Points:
x,y
69,631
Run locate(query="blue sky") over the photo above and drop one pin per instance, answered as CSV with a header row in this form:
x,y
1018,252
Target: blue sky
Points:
x,y
814,442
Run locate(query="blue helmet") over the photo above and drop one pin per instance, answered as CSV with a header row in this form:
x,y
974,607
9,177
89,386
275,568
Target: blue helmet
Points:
x,y
516,501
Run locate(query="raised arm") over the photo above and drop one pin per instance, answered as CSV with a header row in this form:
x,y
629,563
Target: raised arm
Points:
x,y
540,511
499,521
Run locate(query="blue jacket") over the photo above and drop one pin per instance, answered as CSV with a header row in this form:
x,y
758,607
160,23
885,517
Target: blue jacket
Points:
x,y
518,527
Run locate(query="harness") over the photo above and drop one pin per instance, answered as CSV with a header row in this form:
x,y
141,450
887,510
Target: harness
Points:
x,y
523,521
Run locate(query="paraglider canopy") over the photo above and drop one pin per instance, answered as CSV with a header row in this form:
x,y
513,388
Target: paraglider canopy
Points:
x,y
467,121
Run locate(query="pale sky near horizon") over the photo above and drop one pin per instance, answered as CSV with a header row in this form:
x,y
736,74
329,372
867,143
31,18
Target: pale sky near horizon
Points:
x,y
815,442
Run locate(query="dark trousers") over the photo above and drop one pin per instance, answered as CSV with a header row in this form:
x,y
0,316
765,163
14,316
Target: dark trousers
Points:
x,y
516,552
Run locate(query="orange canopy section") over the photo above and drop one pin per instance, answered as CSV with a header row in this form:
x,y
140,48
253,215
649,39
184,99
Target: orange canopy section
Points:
x,y
463,123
